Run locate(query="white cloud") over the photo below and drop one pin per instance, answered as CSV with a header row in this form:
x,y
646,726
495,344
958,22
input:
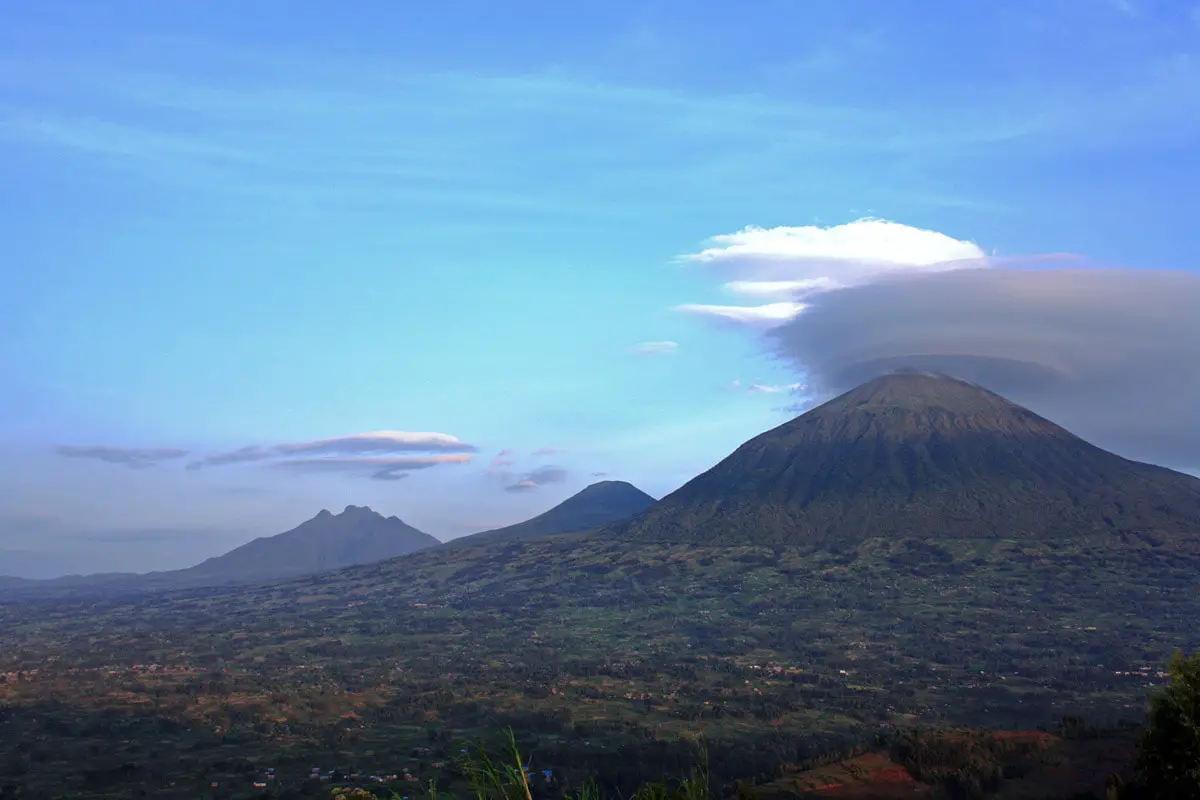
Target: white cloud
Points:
x,y
767,388
867,241
789,263
763,388
654,348
756,316
779,290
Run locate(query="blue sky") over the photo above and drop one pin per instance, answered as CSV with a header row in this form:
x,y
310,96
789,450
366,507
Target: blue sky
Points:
x,y
229,225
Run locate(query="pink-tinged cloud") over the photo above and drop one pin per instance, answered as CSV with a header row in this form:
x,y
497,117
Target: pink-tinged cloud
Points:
x,y
537,478
384,469
358,444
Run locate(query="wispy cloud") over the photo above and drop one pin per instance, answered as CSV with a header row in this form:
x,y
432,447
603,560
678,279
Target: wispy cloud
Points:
x,y
769,388
133,457
779,290
537,478
767,315
271,123
763,388
546,451
501,463
380,469
664,348
359,444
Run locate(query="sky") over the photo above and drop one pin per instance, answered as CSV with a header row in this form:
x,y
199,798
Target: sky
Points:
x,y
456,261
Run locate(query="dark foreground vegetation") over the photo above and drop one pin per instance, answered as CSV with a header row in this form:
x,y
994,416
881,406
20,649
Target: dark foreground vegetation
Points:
x,y
607,661
940,765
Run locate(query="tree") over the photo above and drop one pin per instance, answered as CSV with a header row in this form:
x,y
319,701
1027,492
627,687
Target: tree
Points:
x,y
1168,758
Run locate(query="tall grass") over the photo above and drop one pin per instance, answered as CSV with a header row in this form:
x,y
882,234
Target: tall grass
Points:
x,y
506,777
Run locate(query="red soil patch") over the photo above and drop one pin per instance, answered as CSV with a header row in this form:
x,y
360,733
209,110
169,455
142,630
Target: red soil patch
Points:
x,y
866,776
874,776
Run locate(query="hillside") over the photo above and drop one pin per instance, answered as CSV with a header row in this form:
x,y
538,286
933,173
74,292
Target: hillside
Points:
x,y
599,504
920,455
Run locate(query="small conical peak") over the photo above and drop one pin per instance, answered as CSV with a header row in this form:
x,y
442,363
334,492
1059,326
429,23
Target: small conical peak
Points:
x,y
357,511
611,488
324,513
605,485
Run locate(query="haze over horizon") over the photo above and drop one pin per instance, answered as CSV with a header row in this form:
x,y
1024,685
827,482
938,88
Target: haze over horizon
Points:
x,y
456,264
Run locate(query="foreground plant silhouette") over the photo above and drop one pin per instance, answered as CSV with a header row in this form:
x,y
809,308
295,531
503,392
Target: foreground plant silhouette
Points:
x,y
507,778
1168,758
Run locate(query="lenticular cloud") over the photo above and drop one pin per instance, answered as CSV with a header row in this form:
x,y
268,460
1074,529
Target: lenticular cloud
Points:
x,y
788,265
1110,354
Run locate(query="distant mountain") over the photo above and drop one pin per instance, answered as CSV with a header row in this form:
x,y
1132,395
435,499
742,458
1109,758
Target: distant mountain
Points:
x,y
916,454
328,541
598,505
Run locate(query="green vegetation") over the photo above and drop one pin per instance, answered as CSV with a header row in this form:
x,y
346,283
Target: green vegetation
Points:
x,y
599,504
1168,758
508,776
607,659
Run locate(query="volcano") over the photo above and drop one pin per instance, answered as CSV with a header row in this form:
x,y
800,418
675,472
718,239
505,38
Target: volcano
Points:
x,y
920,455
599,504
